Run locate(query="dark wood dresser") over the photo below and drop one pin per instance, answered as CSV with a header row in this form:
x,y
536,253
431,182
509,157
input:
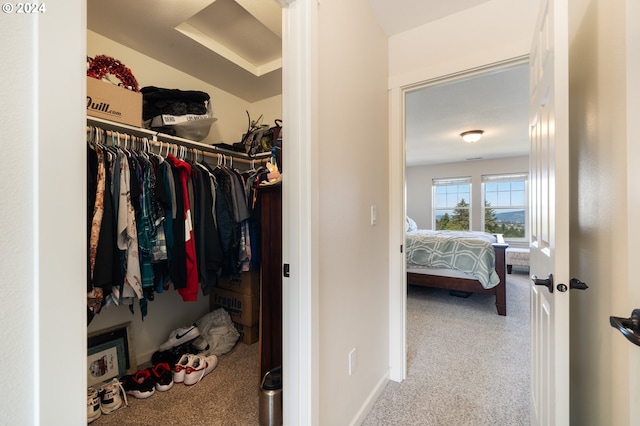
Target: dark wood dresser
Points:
x,y
270,343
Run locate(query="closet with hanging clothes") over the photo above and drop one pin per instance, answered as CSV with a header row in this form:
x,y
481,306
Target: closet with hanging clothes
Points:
x,y
145,202
174,217
148,300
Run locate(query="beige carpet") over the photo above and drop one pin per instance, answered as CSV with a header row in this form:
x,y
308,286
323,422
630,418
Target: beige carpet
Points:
x,y
227,396
466,364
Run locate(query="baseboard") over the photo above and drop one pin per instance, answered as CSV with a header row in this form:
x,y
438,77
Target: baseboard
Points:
x,y
371,399
144,358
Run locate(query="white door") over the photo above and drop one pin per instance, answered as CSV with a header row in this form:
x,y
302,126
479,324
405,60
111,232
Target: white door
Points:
x,y
549,174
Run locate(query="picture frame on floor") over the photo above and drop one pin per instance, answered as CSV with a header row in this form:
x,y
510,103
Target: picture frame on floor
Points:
x,y
110,353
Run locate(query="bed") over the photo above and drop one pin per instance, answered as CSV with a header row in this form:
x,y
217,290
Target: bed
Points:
x,y
460,261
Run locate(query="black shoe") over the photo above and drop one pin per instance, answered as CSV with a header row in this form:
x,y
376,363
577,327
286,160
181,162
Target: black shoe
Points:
x,y
170,357
162,376
139,385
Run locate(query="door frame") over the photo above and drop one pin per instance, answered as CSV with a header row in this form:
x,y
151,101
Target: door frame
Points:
x,y
397,206
300,332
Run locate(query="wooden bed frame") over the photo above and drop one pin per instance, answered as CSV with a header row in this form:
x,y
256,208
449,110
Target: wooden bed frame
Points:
x,y
469,285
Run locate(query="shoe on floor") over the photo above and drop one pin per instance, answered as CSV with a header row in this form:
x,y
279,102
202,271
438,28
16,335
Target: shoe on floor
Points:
x,y
111,396
180,336
168,357
199,367
139,385
180,368
162,376
173,355
93,404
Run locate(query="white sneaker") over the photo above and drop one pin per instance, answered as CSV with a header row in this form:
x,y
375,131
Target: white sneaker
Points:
x,y
93,405
212,363
199,367
180,336
111,396
180,368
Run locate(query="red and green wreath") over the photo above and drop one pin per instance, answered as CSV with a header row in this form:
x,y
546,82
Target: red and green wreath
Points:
x,y
102,65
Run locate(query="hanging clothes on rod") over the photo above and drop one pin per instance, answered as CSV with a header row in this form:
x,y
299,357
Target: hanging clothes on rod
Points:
x,y
176,144
161,215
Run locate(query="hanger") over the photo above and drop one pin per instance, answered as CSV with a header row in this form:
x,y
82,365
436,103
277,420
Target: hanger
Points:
x,y
91,139
146,146
126,142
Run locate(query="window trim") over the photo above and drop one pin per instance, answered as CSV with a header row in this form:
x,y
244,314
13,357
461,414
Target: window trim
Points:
x,y
508,177
435,182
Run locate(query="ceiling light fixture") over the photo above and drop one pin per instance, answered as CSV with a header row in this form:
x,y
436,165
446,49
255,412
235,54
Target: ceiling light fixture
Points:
x,y
472,136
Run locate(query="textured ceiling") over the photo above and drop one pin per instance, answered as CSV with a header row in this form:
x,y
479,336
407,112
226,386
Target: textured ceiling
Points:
x,y
231,44
496,102
396,16
235,45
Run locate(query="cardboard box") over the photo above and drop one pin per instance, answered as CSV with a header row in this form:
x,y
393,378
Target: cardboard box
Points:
x,y
248,334
243,308
108,101
246,283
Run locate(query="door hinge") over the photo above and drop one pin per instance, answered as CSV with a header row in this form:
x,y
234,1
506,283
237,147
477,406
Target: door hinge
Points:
x,y
285,270
401,248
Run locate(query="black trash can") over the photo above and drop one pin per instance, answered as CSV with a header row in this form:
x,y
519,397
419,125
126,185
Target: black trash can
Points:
x,y
271,398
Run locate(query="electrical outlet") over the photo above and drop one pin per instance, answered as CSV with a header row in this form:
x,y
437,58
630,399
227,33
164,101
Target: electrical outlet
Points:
x,y
352,361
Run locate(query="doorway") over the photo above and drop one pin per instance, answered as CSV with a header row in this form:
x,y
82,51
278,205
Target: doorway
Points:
x,y
402,175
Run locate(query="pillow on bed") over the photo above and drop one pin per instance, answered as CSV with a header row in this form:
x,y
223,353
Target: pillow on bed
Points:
x,y
411,225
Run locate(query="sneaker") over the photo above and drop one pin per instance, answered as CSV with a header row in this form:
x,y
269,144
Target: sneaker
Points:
x,y
180,368
169,357
199,367
173,355
139,385
93,405
111,396
180,336
162,376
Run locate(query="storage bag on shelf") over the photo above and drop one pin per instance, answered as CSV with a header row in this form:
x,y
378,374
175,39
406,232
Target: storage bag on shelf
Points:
x,y
184,113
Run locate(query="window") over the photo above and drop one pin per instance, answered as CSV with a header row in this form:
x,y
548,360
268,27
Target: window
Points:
x,y
505,205
452,203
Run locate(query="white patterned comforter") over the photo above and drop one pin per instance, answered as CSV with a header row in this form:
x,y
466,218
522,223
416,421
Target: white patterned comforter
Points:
x,y
465,251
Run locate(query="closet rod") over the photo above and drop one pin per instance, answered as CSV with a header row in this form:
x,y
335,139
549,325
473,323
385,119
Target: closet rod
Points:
x,y
155,137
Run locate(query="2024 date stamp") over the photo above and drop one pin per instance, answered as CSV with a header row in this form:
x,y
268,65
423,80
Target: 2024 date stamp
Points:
x,y
24,8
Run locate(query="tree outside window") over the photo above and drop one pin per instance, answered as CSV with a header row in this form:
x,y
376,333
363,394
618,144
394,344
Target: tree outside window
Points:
x,y
451,208
505,205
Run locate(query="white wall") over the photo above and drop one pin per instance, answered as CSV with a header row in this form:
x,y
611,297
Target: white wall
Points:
x,y
168,312
42,310
420,178
490,32
604,231
17,222
352,260
228,109
270,108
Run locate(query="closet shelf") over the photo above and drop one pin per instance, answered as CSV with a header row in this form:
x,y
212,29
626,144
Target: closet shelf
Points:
x,y
162,137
